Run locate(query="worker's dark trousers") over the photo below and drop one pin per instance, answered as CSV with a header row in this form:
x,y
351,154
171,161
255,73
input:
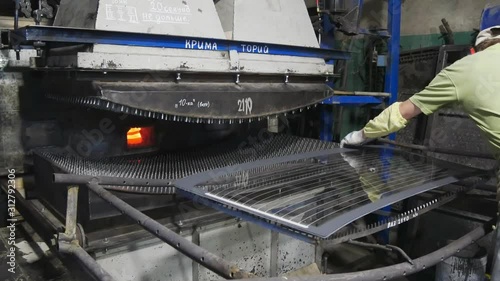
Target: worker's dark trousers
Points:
x,y
495,271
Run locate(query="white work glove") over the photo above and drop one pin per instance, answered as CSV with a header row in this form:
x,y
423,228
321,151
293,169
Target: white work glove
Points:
x,y
355,138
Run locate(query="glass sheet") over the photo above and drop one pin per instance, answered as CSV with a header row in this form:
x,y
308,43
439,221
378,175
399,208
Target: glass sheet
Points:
x,y
322,193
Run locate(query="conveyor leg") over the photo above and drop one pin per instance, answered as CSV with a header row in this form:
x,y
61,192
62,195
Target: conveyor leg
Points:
x,y
69,234
68,243
71,211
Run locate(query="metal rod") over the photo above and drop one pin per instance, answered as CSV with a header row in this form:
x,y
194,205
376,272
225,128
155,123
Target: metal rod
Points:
x,y
39,13
449,32
463,214
369,245
89,263
71,211
16,14
359,93
438,150
402,253
103,180
195,252
402,269
387,248
404,145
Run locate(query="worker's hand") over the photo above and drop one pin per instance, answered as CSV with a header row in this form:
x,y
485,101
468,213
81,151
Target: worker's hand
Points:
x,y
355,138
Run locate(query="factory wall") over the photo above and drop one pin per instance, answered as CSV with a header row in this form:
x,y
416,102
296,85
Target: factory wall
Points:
x,y
419,29
421,20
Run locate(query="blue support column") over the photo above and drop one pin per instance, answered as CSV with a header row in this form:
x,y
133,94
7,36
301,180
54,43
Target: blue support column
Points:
x,y
392,71
327,120
326,133
392,74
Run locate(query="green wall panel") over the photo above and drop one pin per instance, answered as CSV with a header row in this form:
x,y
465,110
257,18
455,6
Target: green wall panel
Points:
x,y
411,42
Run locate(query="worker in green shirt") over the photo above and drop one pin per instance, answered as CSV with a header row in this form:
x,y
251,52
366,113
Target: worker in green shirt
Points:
x,y
473,82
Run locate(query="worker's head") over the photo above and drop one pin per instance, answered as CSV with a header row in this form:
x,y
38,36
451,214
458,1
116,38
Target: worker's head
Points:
x,y
487,38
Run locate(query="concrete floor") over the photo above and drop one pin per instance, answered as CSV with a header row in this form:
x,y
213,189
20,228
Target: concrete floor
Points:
x,y
35,262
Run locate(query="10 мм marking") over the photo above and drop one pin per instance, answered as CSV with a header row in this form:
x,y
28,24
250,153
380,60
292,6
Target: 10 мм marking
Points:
x,y
11,205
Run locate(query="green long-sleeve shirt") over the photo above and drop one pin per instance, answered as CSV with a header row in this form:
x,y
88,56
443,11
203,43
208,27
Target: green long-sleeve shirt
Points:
x,y
473,82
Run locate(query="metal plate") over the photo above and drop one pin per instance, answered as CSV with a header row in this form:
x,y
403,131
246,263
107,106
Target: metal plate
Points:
x,y
280,22
320,192
194,102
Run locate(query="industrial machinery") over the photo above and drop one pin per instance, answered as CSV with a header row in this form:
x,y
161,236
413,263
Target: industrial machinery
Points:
x,y
165,119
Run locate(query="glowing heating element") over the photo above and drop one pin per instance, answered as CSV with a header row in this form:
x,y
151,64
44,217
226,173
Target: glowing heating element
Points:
x,y
140,137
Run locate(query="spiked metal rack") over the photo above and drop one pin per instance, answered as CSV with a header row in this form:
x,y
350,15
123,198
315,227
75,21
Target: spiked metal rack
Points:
x,y
167,167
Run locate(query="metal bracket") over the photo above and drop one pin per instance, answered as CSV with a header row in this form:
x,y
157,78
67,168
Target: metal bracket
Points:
x,y
234,60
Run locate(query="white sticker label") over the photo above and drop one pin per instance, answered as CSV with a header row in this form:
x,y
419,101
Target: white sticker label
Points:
x,y
158,12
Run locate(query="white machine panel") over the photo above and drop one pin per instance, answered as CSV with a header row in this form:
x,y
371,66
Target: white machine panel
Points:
x,y
196,18
279,21
173,17
283,22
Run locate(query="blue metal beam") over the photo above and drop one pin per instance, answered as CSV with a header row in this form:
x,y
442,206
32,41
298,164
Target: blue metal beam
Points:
x,y
392,71
327,120
31,34
353,100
